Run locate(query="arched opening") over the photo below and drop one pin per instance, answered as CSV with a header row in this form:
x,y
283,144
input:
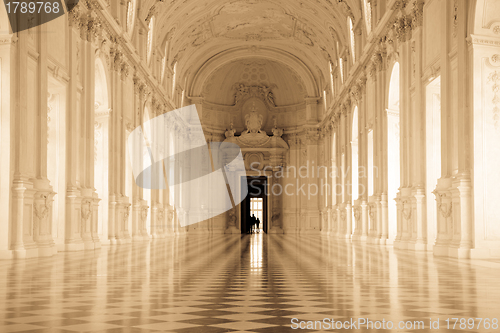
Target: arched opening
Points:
x,y
367,12
101,151
393,149
56,154
354,166
354,156
129,183
149,48
433,151
131,9
146,191
352,40
371,171
334,173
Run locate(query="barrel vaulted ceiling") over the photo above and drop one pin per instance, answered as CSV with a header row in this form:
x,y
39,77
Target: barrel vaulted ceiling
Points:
x,y
204,35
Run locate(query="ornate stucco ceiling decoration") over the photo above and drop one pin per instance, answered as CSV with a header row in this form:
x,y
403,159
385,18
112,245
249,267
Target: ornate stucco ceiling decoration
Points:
x,y
285,83
199,30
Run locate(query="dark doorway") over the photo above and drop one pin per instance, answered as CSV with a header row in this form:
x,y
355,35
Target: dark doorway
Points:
x,y
255,202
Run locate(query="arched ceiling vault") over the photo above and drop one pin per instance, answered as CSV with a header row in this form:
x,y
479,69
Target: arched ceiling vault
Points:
x,y
202,35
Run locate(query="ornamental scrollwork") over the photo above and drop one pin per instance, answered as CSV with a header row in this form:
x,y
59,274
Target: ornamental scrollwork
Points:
x,y
42,210
86,209
406,211
343,214
126,213
144,213
357,212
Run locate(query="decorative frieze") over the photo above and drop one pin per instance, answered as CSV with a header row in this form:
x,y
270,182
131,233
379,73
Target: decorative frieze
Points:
x,y
494,81
417,13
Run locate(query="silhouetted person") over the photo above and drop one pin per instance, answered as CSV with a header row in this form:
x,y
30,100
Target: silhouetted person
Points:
x,y
253,221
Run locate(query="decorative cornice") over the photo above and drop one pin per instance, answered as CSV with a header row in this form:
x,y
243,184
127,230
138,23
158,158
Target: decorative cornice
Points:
x,y
483,40
103,23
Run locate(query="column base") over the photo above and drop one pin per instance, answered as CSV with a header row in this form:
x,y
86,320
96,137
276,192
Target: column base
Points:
x,y
47,251
276,230
421,247
88,245
74,247
356,237
453,252
232,230
6,254
398,244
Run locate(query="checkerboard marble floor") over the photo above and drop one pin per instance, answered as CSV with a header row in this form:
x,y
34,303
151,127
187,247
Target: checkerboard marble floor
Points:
x,y
250,283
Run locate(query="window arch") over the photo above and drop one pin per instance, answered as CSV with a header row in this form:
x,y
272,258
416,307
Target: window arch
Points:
x,y
367,10
164,63
150,38
352,40
332,82
131,16
174,78
354,155
341,69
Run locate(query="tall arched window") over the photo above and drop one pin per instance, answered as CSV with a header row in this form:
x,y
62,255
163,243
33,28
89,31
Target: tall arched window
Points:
x,y
367,10
325,102
146,192
352,40
332,82
131,16
341,69
150,38
334,172
354,156
164,64
174,79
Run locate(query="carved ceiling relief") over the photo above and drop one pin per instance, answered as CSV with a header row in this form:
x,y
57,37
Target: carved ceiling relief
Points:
x,y
244,92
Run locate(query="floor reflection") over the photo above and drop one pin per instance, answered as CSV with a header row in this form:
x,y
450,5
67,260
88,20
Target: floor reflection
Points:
x,y
252,283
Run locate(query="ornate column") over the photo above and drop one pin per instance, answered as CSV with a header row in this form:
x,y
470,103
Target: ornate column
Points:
x,y
232,222
384,218
137,220
85,223
42,233
95,221
73,240
144,211
348,219
290,184
421,241
275,225
364,221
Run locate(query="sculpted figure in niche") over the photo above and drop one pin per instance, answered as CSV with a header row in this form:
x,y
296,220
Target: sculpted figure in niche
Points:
x,y
270,98
230,132
268,94
241,90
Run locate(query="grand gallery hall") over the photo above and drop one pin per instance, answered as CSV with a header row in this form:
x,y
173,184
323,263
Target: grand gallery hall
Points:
x,y
250,166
